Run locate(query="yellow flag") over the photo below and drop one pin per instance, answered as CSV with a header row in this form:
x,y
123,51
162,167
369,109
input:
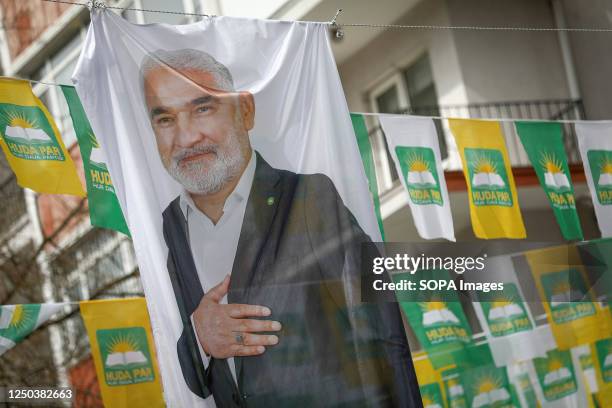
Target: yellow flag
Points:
x,y
124,355
430,381
561,280
494,207
32,144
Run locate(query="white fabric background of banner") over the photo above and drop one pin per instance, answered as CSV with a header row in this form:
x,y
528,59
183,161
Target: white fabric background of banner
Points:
x,y
516,347
431,220
302,124
596,136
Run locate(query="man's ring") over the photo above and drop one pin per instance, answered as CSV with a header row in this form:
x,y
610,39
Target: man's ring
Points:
x,y
239,337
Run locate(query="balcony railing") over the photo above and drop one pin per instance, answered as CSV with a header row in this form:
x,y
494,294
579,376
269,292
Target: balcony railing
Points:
x,y
556,109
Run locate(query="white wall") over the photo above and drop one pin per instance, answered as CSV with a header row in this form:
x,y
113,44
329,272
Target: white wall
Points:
x,y
394,50
592,54
508,65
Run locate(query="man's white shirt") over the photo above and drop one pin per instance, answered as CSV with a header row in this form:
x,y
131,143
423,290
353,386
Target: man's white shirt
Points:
x,y
213,246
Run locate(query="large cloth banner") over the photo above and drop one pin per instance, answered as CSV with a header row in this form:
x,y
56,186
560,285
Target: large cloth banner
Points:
x,y
494,207
543,142
32,144
413,143
122,348
562,282
104,210
18,321
233,156
595,143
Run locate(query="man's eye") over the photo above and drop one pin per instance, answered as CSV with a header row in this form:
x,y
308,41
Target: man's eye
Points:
x,y
165,121
202,109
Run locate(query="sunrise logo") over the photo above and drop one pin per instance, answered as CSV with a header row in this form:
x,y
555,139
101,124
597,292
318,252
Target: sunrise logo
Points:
x,y
489,183
125,355
554,175
28,134
486,173
504,308
437,313
489,390
97,156
605,174
418,166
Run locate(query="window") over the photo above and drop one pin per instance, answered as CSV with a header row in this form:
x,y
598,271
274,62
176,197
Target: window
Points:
x,y
410,90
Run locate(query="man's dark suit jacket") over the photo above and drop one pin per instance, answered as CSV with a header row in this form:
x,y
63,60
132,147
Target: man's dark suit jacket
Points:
x,y
299,254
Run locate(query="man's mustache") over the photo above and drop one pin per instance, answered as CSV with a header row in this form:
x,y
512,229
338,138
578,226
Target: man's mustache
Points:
x,y
193,151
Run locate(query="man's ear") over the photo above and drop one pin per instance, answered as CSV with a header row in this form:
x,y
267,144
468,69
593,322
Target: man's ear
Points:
x,y
247,109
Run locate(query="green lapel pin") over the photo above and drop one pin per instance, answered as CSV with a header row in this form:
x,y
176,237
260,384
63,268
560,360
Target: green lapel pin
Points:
x,y
270,200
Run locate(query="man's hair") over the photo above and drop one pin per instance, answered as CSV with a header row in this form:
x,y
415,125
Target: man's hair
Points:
x,y
188,58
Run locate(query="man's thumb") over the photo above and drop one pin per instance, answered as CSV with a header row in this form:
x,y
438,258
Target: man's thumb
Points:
x,y
217,292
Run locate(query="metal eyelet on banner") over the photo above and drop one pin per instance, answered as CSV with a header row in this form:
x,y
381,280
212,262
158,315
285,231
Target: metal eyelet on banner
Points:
x,y
335,28
96,5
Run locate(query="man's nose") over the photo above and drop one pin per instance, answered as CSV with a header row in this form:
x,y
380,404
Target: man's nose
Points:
x,y
189,132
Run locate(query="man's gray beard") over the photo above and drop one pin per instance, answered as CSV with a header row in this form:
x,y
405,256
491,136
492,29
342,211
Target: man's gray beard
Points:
x,y
197,179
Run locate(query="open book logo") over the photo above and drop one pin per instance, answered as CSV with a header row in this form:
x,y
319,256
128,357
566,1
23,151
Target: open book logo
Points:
x,y
489,390
556,374
505,311
554,174
27,133
487,177
435,313
600,162
486,173
418,166
97,156
125,355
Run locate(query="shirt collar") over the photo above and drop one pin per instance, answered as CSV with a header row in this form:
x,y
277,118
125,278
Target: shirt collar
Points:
x,y
241,191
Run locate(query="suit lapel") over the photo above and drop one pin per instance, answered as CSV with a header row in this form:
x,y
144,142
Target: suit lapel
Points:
x,y
258,217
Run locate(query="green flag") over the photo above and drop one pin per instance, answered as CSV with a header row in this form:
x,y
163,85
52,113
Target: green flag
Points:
x,y
543,142
556,375
365,150
18,321
440,325
431,395
104,210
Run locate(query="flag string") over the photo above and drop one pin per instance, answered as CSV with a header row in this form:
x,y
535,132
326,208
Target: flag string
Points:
x,y
569,121
333,22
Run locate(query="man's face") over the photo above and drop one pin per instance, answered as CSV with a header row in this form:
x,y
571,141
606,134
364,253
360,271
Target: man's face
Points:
x,y
201,132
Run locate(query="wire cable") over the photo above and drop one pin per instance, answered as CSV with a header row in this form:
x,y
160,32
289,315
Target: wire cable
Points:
x,y
99,4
